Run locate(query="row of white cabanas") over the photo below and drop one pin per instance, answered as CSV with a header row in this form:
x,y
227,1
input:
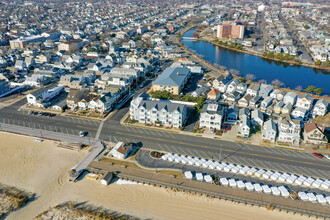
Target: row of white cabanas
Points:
x,y
247,170
260,188
277,191
312,197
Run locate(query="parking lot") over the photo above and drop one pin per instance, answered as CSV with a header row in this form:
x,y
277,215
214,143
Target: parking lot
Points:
x,y
229,157
55,123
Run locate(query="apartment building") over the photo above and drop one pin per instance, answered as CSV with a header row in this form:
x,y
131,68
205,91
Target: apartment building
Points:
x,y
158,112
173,79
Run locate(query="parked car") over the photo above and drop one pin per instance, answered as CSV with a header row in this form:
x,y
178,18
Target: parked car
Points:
x,y
82,133
318,155
327,156
40,113
30,112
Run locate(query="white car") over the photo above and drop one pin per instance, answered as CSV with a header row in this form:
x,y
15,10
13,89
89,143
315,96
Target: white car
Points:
x,y
82,133
327,156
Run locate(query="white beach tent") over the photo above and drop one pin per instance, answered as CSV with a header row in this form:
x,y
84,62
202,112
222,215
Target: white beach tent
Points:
x,y
267,174
249,186
178,159
235,169
303,196
291,179
165,156
328,199
252,171
198,163
244,170
311,197
285,193
212,166
300,180
232,183
321,199
199,176
171,158
275,191
283,177
309,181
257,187
266,189
325,185
275,176
224,181
228,167
206,164
317,183
188,175
259,173
184,161
240,184
191,161
208,178
220,167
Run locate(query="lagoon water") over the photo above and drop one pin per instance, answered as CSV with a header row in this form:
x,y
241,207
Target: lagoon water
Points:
x,y
292,76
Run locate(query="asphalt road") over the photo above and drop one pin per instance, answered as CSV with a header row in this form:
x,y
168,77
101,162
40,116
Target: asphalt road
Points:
x,y
146,160
238,153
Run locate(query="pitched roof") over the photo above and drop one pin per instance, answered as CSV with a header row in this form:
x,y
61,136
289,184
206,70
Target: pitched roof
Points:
x,y
159,105
172,76
312,126
214,92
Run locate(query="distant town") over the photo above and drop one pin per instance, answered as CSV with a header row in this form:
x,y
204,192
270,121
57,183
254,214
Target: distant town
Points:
x,y
116,83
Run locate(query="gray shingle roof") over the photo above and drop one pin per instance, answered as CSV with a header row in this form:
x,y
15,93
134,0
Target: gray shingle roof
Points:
x,y
172,76
159,105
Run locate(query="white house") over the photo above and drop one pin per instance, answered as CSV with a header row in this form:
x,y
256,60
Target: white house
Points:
x,y
305,101
41,97
243,129
211,116
269,131
36,80
320,108
289,130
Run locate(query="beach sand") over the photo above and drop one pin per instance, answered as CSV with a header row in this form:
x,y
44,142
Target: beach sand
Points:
x,y
42,168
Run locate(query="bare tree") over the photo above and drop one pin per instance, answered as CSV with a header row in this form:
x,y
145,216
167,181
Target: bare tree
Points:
x,y
219,66
277,83
299,88
262,81
235,72
250,77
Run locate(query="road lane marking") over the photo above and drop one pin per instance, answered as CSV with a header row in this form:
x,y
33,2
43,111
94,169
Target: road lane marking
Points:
x,y
227,150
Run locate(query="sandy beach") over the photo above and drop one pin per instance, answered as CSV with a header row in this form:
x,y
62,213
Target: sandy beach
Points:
x,y
41,168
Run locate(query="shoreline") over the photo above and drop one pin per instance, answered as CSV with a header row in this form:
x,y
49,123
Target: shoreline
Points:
x,y
268,58
326,97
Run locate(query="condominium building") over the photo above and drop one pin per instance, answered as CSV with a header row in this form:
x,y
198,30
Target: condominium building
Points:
x,y
173,79
158,112
211,116
230,30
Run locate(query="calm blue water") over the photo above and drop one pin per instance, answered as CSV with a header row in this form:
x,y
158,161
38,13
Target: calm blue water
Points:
x,y
291,76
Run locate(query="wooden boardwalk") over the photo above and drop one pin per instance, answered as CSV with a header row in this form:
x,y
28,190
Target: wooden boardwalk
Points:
x,y
216,191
